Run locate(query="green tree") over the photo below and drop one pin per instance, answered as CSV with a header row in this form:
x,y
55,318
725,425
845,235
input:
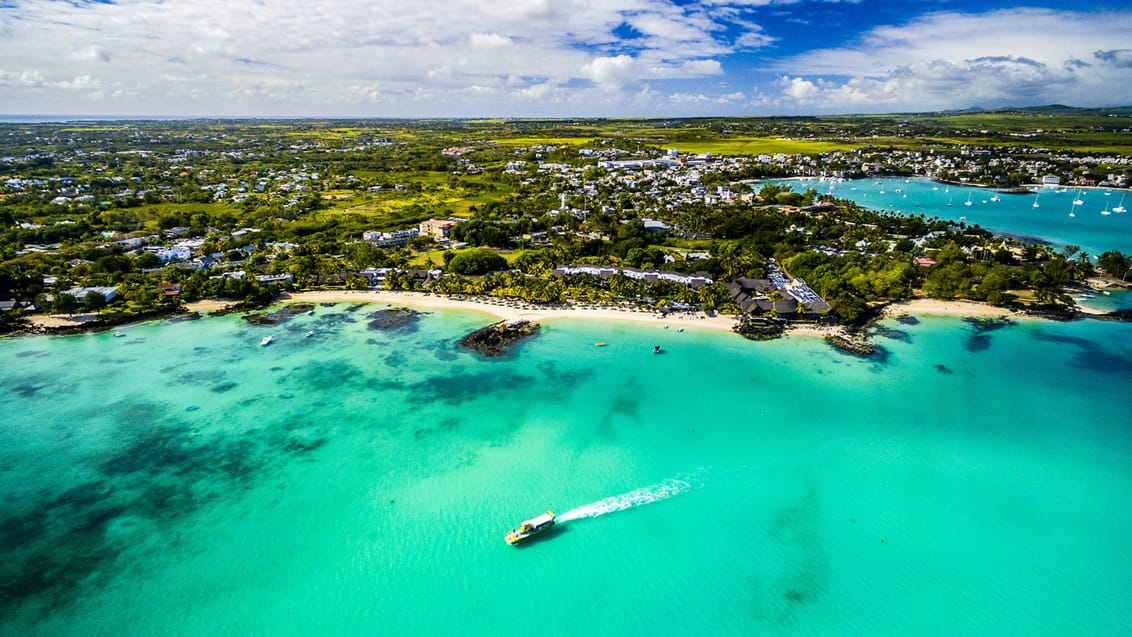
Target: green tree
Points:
x,y
65,303
476,262
1115,263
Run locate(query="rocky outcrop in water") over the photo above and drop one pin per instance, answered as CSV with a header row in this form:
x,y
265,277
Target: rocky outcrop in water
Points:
x,y
498,339
854,346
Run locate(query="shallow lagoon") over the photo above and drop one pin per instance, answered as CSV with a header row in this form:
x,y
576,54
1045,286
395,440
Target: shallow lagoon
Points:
x,y
183,480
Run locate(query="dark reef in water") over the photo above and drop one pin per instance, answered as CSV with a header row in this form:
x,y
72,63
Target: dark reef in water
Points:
x,y
458,387
980,339
977,342
401,319
280,316
1089,354
56,543
891,334
983,325
782,595
498,339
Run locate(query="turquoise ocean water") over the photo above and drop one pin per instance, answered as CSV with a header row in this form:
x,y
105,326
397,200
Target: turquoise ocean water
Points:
x,y
181,480
1013,214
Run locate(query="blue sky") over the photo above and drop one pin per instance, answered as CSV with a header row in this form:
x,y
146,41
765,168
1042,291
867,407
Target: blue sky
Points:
x,y
556,58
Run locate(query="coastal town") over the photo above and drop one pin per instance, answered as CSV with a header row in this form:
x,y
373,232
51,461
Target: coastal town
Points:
x,y
138,218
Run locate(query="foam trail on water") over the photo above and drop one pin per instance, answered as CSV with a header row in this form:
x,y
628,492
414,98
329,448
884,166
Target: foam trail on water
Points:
x,y
645,495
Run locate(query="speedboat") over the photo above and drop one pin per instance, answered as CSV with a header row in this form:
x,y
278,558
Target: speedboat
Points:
x,y
530,528
266,341
309,334
657,350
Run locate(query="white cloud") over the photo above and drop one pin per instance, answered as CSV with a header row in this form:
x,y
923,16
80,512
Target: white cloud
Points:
x,y
302,55
530,57
954,60
490,41
696,68
689,98
92,53
611,72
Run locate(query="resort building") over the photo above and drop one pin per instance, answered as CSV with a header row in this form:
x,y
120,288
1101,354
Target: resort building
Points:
x,y
651,276
437,228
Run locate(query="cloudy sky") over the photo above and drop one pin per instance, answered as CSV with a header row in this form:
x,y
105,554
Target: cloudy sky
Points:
x,y
551,58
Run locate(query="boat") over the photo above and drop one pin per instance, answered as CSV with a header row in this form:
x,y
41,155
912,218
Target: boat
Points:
x,y
119,334
530,528
1078,201
266,341
996,198
1120,206
309,334
1036,200
599,344
657,350
968,200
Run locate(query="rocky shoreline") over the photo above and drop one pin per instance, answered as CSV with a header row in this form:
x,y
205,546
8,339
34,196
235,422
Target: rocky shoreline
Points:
x,y
760,329
100,324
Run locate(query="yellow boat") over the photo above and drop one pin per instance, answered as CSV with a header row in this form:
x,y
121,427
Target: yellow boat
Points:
x,y
529,528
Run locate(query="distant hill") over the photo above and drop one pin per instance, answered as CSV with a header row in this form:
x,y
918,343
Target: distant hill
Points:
x,y
1061,109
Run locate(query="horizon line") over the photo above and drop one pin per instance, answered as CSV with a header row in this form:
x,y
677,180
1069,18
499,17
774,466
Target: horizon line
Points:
x,y
25,118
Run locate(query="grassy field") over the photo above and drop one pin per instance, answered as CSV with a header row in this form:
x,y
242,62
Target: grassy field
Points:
x,y
759,146
545,141
435,258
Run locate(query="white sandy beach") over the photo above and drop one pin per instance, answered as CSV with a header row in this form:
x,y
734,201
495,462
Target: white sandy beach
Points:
x,y
514,311
504,309
937,307
60,320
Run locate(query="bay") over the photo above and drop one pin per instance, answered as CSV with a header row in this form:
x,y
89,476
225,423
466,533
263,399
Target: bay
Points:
x,y
1013,214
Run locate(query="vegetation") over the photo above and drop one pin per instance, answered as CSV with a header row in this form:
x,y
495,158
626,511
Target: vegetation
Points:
x,y
88,204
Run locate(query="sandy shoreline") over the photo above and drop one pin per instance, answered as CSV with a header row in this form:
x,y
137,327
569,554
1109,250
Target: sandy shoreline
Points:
x,y
503,309
512,310
937,307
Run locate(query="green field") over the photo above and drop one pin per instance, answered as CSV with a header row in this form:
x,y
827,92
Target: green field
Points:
x,y
760,146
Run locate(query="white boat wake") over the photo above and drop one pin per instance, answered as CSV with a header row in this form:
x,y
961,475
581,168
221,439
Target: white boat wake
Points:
x,y
662,490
